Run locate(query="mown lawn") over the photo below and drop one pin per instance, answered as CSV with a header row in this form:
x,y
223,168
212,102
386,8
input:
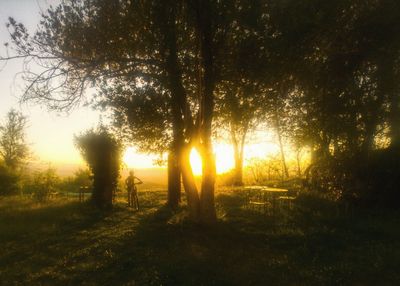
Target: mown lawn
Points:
x,y
314,243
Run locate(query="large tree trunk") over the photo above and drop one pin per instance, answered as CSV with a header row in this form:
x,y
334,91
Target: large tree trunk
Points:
x,y
174,180
177,104
283,158
102,185
238,171
298,161
281,147
238,150
207,209
192,195
204,30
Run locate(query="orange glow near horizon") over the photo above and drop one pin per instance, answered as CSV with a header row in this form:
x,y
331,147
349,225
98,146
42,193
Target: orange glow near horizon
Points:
x,y
223,153
129,157
224,159
133,159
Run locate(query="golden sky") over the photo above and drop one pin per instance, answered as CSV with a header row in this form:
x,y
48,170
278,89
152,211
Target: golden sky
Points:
x,y
223,153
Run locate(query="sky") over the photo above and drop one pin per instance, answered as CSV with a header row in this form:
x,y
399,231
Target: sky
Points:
x,y
50,134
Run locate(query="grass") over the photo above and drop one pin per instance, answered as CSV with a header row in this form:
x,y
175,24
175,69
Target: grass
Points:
x,y
314,243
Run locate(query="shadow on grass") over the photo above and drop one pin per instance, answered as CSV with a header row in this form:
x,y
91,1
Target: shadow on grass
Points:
x,y
156,246
245,248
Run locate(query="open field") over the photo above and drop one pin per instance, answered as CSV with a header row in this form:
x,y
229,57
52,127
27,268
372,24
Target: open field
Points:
x,y
314,243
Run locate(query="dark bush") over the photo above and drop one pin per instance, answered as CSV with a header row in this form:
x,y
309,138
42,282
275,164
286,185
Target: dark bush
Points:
x,y
102,153
9,181
81,178
366,179
44,183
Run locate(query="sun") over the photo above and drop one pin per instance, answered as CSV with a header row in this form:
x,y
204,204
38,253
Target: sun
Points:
x,y
195,162
223,155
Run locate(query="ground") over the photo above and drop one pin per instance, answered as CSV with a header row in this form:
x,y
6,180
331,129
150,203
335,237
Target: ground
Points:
x,y
317,242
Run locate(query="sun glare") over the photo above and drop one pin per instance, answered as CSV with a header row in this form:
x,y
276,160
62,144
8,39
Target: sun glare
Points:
x,y
129,157
224,159
133,159
223,153
260,150
195,162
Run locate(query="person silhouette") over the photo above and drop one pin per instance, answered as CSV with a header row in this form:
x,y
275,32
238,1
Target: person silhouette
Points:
x,y
130,183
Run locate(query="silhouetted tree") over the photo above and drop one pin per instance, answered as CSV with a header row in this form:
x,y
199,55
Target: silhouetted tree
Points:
x,y
344,88
103,156
245,75
81,43
175,48
238,113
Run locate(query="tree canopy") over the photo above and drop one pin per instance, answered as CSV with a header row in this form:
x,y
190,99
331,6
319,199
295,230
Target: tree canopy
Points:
x,y
323,73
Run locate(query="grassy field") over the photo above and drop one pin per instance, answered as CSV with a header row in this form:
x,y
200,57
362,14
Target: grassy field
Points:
x,y
315,243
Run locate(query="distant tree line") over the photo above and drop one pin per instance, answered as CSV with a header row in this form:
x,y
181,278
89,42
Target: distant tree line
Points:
x,y
322,73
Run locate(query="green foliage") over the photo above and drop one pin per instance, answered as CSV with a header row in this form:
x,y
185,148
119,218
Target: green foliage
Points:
x,y
13,147
102,152
140,114
82,177
9,180
263,170
44,183
371,180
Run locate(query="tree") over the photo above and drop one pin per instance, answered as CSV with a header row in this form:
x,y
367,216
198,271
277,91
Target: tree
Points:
x,y
82,43
172,47
9,180
13,147
238,113
240,90
325,72
343,92
103,156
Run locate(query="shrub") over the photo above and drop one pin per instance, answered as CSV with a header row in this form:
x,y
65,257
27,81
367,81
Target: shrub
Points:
x,y
367,179
82,177
44,183
9,181
102,152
